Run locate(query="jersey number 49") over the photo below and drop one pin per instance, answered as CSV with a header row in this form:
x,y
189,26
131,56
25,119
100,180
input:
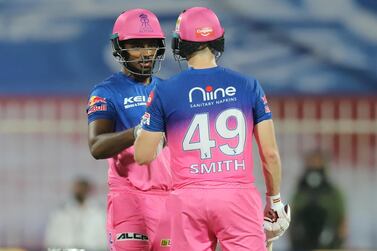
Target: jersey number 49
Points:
x,y
200,124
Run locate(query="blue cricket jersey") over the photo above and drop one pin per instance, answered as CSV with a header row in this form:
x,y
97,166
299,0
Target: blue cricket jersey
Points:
x,y
123,100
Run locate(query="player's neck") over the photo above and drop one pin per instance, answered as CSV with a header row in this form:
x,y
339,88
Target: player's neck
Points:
x,y
202,59
138,78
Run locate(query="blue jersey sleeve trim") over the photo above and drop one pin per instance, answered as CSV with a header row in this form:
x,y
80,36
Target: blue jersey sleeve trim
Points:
x,y
149,129
261,110
100,116
265,117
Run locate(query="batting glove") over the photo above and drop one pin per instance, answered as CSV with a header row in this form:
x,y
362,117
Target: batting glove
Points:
x,y
277,217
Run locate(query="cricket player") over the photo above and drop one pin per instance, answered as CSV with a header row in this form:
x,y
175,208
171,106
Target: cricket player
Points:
x,y
137,195
209,115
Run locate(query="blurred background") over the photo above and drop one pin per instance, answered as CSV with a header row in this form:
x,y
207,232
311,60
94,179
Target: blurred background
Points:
x,y
316,60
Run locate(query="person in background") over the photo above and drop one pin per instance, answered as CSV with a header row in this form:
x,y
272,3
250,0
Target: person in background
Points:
x,y
319,221
79,223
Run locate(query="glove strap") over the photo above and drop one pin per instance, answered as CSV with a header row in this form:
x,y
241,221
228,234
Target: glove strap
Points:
x,y
274,201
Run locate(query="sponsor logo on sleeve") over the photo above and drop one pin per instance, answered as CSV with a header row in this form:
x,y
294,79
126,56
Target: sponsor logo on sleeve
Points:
x,y
94,100
96,104
266,107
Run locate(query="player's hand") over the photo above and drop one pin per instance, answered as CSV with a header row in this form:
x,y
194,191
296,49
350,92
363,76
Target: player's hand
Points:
x,y
277,217
161,144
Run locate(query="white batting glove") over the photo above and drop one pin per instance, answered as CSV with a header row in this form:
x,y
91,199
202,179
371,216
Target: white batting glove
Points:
x,y
277,217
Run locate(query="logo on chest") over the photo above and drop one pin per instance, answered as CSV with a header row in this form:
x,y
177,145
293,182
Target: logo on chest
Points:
x,y
134,101
208,96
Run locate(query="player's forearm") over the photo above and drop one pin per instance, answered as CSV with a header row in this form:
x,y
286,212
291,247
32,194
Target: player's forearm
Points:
x,y
107,145
269,154
272,171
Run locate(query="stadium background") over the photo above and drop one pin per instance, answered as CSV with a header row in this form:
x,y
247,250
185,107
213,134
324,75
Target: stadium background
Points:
x,y
317,60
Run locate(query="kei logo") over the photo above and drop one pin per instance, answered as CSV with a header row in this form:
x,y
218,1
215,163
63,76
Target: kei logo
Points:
x,y
134,101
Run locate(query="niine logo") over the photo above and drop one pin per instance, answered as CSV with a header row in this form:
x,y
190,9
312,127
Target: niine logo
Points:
x,y
209,93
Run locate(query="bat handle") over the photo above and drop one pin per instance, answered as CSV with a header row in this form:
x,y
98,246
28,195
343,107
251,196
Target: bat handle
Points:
x,y
269,246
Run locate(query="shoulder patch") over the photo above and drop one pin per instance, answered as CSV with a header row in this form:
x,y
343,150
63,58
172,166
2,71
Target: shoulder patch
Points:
x,y
96,104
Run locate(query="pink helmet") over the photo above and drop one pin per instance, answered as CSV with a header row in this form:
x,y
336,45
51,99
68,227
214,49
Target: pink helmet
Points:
x,y
137,23
198,24
194,27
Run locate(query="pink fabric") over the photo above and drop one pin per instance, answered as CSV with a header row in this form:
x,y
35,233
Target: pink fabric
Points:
x,y
137,221
199,24
137,23
136,203
235,216
126,175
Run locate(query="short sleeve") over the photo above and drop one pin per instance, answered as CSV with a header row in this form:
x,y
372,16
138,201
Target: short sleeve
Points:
x,y
100,105
261,110
153,119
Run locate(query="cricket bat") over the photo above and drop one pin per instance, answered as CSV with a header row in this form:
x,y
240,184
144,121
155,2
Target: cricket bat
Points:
x,y
269,246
